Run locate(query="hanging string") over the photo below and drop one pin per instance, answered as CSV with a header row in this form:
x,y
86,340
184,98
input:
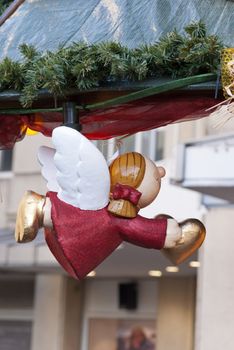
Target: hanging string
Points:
x,y
118,144
119,140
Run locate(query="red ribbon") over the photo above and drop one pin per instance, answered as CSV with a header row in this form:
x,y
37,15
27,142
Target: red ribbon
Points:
x,y
126,192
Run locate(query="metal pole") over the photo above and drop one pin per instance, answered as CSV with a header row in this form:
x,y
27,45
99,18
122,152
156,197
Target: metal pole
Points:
x,y
71,116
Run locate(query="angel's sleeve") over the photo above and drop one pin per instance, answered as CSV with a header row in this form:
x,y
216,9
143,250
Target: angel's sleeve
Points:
x,y
147,233
82,172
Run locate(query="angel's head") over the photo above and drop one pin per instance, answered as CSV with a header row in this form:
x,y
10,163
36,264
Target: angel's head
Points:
x,y
138,173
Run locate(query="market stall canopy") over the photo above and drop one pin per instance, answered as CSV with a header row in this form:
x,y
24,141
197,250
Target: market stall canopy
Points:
x,y
46,24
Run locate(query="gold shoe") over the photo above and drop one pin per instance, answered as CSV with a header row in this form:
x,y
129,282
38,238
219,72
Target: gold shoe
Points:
x,y
193,235
29,217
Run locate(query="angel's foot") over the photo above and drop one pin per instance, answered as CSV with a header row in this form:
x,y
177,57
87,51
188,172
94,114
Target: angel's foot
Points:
x,y
29,217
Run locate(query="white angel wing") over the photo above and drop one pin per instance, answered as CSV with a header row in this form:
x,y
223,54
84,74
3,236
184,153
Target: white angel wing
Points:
x,y
82,171
46,159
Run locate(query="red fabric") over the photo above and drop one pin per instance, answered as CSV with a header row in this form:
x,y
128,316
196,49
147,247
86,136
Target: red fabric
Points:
x,y
12,129
145,114
82,239
126,192
56,249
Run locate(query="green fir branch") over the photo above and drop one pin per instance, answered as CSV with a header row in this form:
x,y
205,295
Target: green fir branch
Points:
x,y
11,76
84,66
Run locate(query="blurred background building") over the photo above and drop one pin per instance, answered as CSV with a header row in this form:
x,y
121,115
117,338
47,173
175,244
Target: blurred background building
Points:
x,y
189,308
43,307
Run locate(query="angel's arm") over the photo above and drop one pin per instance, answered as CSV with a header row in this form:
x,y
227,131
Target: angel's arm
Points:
x,y
151,233
147,233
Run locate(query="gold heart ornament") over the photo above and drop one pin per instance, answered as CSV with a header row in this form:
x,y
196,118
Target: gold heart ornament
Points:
x,y
193,235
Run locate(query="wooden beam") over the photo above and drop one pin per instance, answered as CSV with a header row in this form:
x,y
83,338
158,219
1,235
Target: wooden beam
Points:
x,y
155,90
10,10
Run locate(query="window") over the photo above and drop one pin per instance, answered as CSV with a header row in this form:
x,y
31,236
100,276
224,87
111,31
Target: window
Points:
x,y
6,157
102,146
159,150
128,144
149,143
15,335
152,144
16,311
108,147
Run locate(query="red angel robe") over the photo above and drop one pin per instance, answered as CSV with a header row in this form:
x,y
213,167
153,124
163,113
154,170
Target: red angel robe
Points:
x,y
82,239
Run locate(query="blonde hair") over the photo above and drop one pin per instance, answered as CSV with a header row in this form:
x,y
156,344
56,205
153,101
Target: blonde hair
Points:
x,y
128,169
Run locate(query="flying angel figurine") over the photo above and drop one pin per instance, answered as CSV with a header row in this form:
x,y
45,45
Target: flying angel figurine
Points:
x,y
91,209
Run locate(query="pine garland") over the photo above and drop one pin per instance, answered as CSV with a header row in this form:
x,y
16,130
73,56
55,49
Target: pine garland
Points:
x,y
84,66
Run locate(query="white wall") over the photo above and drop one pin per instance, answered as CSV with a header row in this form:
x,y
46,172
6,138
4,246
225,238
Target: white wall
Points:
x,y
175,201
215,301
176,314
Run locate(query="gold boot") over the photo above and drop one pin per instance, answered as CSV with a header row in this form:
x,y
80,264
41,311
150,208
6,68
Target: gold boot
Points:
x,y
29,217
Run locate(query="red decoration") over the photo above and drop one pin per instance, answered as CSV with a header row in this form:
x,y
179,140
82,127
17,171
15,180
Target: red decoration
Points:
x,y
12,129
129,118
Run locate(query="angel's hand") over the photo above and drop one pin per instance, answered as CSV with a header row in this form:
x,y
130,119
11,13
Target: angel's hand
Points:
x,y
173,234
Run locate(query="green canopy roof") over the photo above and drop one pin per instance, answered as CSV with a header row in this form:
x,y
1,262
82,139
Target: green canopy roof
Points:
x,y
46,24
